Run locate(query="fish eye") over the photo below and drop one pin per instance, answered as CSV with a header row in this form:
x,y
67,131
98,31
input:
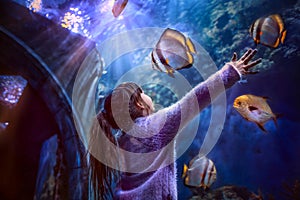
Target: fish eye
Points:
x,y
239,103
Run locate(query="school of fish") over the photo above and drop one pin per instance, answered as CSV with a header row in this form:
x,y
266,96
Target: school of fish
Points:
x,y
175,51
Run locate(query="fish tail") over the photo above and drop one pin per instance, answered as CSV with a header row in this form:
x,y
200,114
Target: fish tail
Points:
x,y
171,74
190,46
275,117
275,121
170,71
185,168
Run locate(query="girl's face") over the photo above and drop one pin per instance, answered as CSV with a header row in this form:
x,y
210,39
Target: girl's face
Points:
x,y
148,101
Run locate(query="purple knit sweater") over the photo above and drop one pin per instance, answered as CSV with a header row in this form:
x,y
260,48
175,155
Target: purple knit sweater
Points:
x,y
152,169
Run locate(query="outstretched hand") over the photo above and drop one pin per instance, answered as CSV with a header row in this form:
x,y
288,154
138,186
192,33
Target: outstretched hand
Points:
x,y
243,65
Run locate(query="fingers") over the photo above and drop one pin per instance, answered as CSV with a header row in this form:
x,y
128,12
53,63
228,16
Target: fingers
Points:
x,y
234,57
252,64
249,72
250,56
246,55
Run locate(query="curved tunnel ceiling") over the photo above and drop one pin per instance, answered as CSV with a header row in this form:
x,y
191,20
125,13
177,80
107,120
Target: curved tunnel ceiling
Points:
x,y
48,57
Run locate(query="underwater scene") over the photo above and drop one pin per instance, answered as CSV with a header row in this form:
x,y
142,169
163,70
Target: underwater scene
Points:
x,y
244,144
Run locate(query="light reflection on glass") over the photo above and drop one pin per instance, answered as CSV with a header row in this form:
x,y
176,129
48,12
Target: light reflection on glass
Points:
x,y
11,89
35,5
76,21
106,6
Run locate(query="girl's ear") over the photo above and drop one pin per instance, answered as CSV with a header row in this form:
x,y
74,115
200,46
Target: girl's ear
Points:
x,y
140,105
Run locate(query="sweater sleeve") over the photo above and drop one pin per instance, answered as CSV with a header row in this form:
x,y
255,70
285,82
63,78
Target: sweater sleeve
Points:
x,y
160,128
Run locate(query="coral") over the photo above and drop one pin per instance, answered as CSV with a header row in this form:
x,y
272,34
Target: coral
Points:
x,y
291,192
227,193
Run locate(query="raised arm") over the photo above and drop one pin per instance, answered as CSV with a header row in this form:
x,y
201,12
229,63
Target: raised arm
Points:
x,y
208,90
164,124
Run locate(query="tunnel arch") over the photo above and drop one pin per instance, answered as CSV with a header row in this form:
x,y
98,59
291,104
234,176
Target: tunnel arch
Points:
x,y
48,57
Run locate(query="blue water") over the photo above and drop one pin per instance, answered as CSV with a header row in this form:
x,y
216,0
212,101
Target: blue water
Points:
x,y
243,155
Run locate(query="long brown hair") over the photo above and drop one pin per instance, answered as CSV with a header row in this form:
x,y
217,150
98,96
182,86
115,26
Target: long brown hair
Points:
x,y
119,112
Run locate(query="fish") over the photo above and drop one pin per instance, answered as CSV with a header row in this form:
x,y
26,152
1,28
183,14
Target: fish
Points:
x,y
118,7
201,172
255,109
173,51
269,31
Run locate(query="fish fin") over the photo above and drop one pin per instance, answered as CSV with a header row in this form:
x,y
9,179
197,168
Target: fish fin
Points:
x,y
185,66
190,58
167,61
185,169
161,58
186,181
171,74
262,127
251,29
154,63
170,71
266,98
190,46
189,64
276,43
280,24
276,116
275,121
175,35
283,35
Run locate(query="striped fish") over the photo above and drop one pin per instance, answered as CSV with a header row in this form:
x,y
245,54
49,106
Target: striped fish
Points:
x,y
268,31
172,52
200,173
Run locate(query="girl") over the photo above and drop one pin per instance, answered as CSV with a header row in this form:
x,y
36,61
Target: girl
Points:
x,y
145,147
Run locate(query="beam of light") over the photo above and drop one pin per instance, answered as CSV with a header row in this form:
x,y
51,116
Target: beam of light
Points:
x,y
77,21
106,6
